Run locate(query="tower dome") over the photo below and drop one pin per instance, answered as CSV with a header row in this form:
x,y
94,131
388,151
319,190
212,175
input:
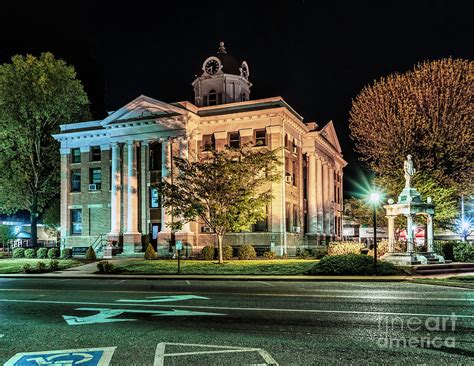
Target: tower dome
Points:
x,y
222,79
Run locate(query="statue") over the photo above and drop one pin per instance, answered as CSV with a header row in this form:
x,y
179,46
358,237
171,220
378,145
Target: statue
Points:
x,y
409,170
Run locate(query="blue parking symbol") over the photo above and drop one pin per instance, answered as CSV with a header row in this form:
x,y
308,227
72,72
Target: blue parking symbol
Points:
x,y
83,357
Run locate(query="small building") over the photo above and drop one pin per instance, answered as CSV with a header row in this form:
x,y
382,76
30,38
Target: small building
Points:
x,y
109,166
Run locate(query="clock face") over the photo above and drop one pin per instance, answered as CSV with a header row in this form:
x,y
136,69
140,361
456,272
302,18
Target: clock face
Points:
x,y
212,66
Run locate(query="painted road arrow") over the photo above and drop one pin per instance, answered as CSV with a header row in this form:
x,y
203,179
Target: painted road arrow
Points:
x,y
108,315
165,298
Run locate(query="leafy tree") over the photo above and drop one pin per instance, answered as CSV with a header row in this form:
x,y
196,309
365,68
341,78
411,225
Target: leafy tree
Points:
x,y
36,95
426,112
228,191
6,234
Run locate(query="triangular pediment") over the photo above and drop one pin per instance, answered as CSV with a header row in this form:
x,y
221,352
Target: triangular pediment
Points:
x,y
329,133
143,107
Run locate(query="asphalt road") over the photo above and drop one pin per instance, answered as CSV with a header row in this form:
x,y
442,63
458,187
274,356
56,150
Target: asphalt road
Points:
x,y
237,323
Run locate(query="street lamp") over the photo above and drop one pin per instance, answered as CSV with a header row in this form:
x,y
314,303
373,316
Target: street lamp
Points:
x,y
374,199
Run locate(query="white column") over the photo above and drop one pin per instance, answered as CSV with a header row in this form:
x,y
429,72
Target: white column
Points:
x,y
311,186
326,208
409,233
391,233
165,164
184,154
115,177
144,187
332,201
429,233
132,191
319,194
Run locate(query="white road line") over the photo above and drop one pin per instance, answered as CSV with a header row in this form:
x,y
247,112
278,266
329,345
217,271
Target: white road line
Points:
x,y
265,283
321,311
188,282
116,283
313,296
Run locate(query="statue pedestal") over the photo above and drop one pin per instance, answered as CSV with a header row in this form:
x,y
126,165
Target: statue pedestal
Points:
x,y
409,195
404,259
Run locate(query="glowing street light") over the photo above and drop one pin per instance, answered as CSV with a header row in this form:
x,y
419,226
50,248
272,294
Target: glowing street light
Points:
x,y
375,199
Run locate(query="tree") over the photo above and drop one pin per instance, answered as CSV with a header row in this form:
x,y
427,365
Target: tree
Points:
x,y
6,234
228,191
36,95
426,112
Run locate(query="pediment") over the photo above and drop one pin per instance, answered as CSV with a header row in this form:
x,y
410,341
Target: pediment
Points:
x,y
329,133
143,107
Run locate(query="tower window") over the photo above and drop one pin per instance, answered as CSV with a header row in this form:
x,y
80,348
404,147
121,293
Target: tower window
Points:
x,y
234,139
213,98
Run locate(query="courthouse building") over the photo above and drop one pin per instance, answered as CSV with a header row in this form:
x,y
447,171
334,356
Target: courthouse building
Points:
x,y
109,167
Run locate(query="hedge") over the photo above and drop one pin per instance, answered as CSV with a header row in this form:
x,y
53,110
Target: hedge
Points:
x,y
351,264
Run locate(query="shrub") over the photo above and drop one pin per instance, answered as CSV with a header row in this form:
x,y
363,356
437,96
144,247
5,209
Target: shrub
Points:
x,y
105,267
351,264
66,253
42,253
30,253
463,251
108,267
344,247
26,268
207,253
41,266
247,252
19,253
150,252
1,255
444,248
53,253
90,254
382,248
269,255
304,253
53,264
227,252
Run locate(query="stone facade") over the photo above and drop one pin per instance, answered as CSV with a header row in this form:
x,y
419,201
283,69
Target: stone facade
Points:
x,y
133,148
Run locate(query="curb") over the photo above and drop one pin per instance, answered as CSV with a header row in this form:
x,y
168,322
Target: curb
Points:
x,y
436,282
217,278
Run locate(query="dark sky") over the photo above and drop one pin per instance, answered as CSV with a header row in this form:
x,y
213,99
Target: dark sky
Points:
x,y
316,55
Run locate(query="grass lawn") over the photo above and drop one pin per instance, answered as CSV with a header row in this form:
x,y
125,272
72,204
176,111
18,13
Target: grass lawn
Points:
x,y
15,265
233,267
456,281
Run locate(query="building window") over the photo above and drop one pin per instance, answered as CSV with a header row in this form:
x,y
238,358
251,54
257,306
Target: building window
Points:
x,y
155,156
288,217
154,198
76,180
296,217
295,170
95,179
260,137
75,156
234,139
260,225
286,141
208,142
95,153
76,221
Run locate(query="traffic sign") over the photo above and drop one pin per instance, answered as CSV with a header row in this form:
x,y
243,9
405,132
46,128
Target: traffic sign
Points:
x,y
179,245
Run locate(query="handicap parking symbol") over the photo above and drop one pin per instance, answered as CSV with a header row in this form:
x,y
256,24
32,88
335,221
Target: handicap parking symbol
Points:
x,y
71,357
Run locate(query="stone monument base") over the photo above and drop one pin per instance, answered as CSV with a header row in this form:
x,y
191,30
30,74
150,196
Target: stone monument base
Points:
x,y
404,259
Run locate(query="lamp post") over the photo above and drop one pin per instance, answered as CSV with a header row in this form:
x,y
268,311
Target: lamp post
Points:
x,y
374,199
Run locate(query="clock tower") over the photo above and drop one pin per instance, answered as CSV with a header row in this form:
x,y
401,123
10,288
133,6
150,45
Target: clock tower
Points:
x,y
222,79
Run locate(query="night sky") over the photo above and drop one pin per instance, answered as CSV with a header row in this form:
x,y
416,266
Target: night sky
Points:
x,y
316,56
